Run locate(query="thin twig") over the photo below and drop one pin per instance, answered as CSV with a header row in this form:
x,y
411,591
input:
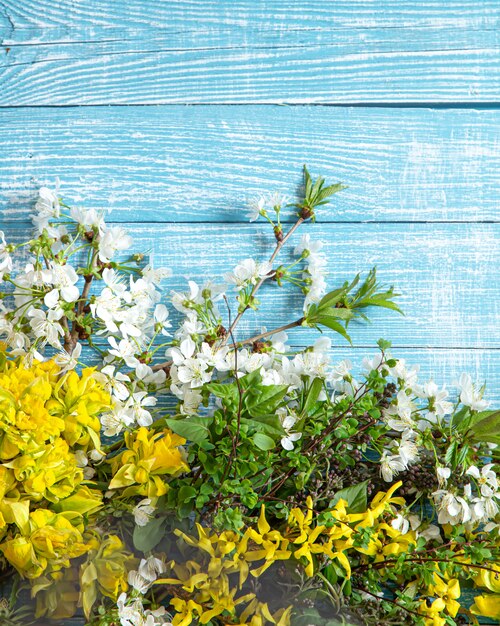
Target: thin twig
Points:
x,y
82,301
400,606
258,285
232,326
271,332
235,439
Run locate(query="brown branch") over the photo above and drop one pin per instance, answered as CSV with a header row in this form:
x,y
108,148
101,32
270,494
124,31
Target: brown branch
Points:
x,y
271,332
383,599
82,301
258,285
235,439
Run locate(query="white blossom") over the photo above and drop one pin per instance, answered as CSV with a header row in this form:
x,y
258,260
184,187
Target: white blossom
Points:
x,y
248,272
438,405
137,403
45,326
287,423
46,208
114,239
390,466
143,512
125,350
5,257
68,361
256,208
90,219
485,478
471,396
186,302
452,509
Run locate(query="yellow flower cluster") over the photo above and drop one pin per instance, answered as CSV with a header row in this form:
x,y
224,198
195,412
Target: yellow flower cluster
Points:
x,y
207,579
216,579
104,573
149,456
488,604
45,418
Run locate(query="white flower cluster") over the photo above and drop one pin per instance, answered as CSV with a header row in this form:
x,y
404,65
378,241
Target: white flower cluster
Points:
x,y
315,271
415,411
261,206
124,305
468,508
130,609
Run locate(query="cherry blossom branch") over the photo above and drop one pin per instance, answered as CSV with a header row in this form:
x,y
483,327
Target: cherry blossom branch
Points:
x,y
269,333
258,285
279,245
82,301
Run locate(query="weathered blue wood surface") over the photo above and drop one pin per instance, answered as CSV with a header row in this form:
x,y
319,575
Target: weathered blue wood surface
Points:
x,y
203,163
413,130
112,52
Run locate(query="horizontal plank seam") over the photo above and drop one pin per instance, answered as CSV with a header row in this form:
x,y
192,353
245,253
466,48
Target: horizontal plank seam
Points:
x,y
222,31
489,105
288,221
248,48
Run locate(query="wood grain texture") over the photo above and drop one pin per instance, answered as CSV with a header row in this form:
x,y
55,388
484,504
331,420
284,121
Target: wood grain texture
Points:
x,y
445,273
180,176
188,164
273,51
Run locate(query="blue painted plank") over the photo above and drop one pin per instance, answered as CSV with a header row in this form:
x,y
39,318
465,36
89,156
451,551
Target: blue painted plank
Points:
x,y
277,51
447,275
184,164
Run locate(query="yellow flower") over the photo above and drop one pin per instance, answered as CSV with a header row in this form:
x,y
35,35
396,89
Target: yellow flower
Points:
x,y
25,420
49,472
79,400
105,571
51,538
184,611
487,605
57,594
84,501
488,579
433,613
259,612
382,500
274,545
149,456
448,592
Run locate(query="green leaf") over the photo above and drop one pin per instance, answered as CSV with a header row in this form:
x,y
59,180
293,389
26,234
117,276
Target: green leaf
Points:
x,y
355,496
268,423
384,345
263,442
147,537
186,493
485,426
265,399
340,313
312,395
451,454
193,429
331,323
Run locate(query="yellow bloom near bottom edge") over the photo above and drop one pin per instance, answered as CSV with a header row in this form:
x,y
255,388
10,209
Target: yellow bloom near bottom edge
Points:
x,y
487,606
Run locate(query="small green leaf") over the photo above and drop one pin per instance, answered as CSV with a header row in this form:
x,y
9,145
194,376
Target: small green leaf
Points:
x,y
186,493
312,395
193,429
263,442
384,345
146,537
355,496
485,426
331,323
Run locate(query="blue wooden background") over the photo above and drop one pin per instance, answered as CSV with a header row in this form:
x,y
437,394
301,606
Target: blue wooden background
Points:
x,y
174,113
